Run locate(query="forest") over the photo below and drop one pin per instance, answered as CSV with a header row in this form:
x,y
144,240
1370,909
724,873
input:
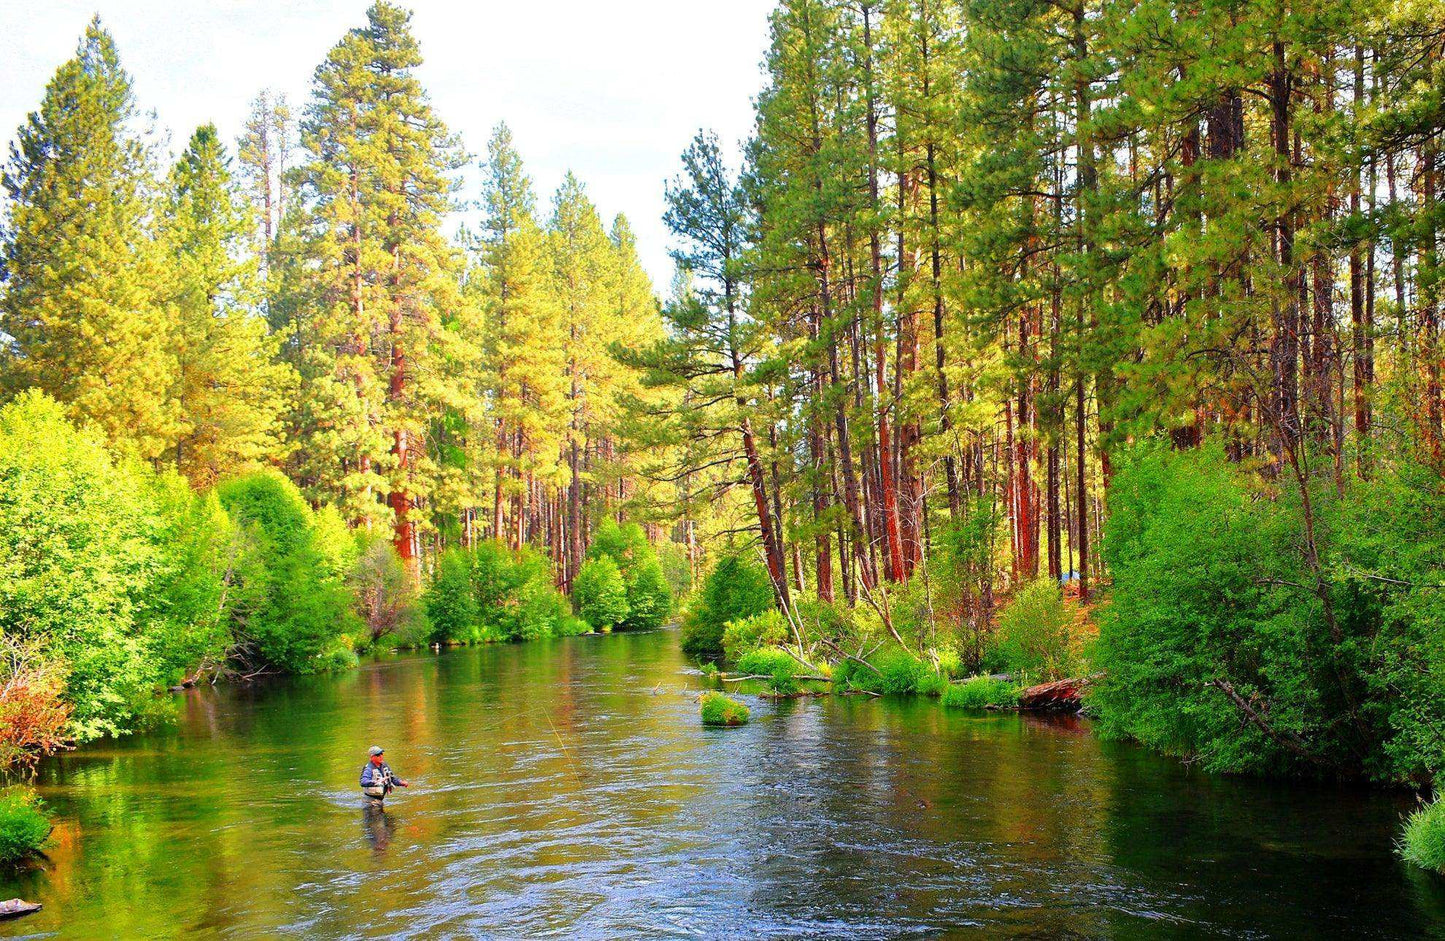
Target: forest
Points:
x,y
1021,341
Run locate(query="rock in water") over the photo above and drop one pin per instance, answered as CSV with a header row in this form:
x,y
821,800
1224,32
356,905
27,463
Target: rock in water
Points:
x,y
17,907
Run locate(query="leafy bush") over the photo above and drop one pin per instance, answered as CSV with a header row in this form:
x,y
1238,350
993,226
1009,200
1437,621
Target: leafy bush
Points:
x,y
34,717
289,604
901,671
896,672
451,600
1423,840
778,666
932,684
647,593
1217,641
105,569
531,608
1032,636
24,824
338,657
1192,552
738,587
600,594
649,599
745,635
490,593
386,595
719,709
981,692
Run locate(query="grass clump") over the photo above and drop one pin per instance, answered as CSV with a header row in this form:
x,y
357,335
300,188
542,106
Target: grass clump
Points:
x,y
1423,842
895,672
24,824
777,665
742,636
982,692
720,709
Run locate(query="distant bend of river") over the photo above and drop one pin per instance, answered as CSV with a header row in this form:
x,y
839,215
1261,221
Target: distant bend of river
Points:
x,y
566,789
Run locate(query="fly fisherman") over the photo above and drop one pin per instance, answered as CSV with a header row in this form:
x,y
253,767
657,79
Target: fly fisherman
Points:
x,y
377,779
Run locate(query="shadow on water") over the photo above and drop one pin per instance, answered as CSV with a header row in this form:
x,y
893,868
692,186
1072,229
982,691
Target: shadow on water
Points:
x,y
567,788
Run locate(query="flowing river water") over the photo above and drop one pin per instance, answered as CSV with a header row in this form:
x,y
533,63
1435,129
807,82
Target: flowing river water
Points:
x,y
567,789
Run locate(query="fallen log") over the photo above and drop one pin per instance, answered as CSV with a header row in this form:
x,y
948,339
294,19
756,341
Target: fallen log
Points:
x,y
1058,696
14,908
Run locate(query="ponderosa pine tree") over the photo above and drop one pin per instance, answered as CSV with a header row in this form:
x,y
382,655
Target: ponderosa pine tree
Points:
x,y
378,183
712,344
523,363
583,281
79,302
229,382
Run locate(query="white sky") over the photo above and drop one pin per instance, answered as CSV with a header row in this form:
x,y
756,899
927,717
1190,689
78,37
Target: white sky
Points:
x,y
611,90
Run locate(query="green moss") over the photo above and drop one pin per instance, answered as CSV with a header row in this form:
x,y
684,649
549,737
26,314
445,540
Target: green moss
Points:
x,y
981,692
1423,842
24,824
719,709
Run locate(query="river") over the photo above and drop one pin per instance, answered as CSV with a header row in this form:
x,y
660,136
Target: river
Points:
x,y
566,788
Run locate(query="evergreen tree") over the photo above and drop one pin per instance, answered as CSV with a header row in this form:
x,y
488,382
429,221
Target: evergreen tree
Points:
x,y
229,384
378,180
79,304
524,364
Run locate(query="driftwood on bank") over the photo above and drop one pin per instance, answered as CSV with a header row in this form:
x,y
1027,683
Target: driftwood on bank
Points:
x,y
740,677
1058,696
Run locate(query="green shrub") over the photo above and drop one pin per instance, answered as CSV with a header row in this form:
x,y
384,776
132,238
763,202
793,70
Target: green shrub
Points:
x,y
778,666
1032,636
490,593
649,599
719,709
745,635
896,672
451,601
901,671
981,692
1212,594
289,606
1423,840
24,824
738,587
534,608
648,595
386,596
338,657
105,568
932,684
600,594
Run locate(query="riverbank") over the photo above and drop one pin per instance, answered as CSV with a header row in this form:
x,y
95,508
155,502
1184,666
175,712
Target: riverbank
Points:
x,y
566,786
